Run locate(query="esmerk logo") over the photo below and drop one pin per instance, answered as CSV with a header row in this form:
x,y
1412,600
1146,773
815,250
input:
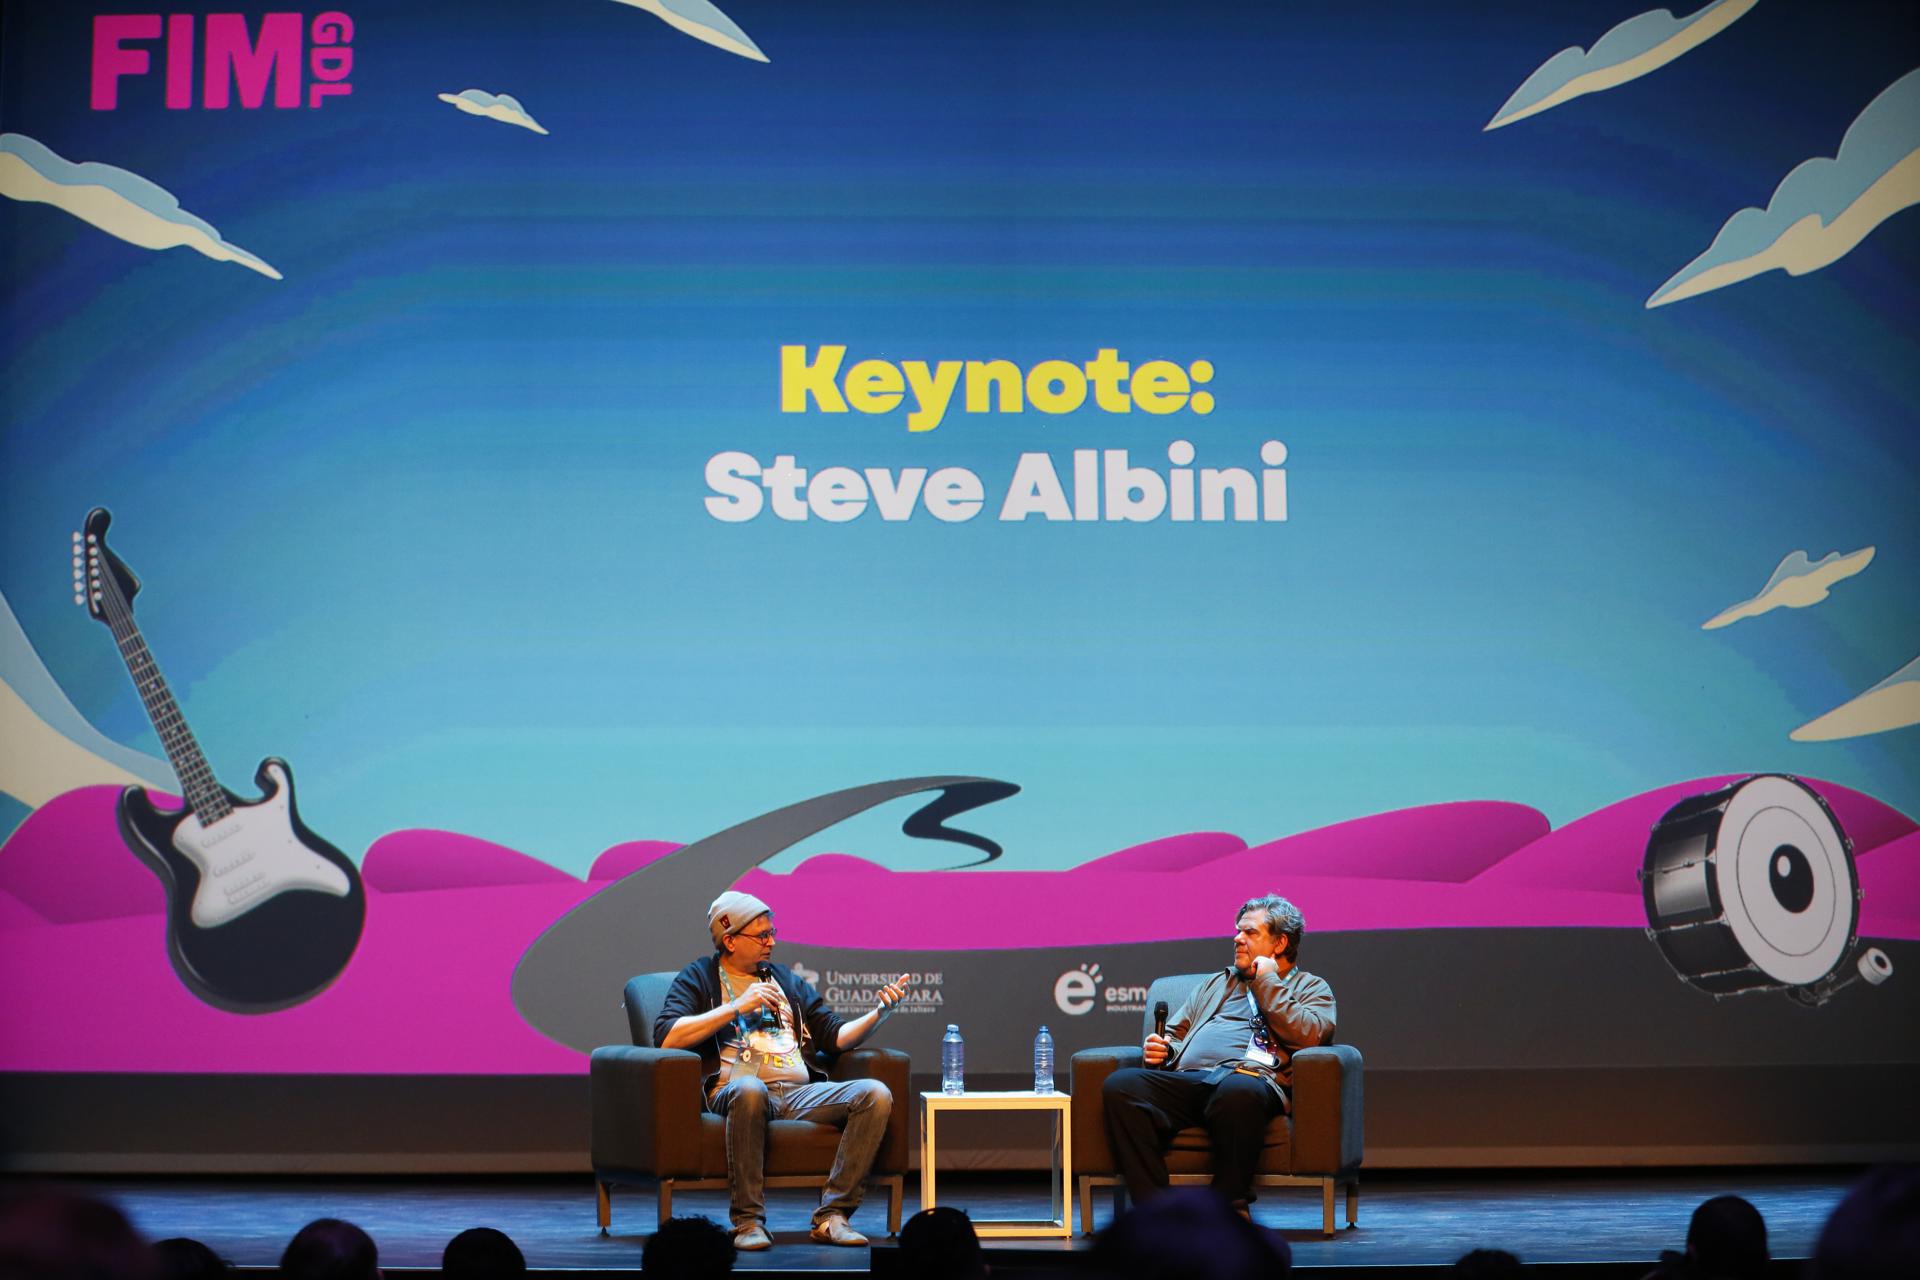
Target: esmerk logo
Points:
x,y
1074,990
217,55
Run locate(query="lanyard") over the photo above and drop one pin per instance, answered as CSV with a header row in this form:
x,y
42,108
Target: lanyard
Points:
x,y
1257,1050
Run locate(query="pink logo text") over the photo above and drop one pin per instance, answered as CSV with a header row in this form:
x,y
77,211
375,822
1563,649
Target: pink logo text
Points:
x,y
287,54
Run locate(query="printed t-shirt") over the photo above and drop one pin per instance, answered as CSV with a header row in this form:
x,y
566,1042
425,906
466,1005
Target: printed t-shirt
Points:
x,y
771,1052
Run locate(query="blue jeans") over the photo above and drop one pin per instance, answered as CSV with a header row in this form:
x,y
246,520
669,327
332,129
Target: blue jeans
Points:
x,y
860,1108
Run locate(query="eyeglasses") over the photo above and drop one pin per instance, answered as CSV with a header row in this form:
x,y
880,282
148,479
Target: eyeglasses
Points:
x,y
767,935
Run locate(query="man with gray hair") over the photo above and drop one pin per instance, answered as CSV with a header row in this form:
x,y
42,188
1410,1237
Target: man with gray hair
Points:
x,y
760,1031
1225,1062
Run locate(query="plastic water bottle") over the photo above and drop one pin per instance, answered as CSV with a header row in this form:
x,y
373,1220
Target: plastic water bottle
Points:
x,y
953,1062
1043,1061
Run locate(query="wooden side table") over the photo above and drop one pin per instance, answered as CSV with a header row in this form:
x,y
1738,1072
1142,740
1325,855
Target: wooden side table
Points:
x,y
1060,1200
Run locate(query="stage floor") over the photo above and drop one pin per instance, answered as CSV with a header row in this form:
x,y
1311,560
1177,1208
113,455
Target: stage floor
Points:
x,y
1406,1220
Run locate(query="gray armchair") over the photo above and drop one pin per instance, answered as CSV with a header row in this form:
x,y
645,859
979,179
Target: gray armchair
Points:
x,y
651,1129
1318,1144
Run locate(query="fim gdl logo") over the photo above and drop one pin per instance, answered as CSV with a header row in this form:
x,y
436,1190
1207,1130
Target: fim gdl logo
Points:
x,y
1077,991
217,55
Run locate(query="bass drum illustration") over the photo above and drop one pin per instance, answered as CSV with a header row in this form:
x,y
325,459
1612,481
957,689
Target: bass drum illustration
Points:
x,y
1752,888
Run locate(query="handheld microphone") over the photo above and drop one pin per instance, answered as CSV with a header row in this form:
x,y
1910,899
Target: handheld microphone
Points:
x,y
769,1016
1160,1020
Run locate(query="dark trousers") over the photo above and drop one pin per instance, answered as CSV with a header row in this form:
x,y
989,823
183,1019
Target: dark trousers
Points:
x,y
1145,1107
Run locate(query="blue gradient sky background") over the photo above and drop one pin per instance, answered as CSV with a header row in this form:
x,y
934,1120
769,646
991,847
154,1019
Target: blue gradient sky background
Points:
x,y
425,517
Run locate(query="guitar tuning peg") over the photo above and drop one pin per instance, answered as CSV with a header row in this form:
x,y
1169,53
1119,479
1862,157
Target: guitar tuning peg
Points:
x,y
79,599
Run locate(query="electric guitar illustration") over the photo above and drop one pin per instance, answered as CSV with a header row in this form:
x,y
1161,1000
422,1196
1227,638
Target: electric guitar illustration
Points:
x,y
262,914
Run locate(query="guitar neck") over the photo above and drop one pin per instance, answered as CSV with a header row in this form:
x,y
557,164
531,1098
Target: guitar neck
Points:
x,y
203,792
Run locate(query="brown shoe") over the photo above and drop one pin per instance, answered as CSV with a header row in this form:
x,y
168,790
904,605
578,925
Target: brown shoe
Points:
x,y
749,1237
833,1229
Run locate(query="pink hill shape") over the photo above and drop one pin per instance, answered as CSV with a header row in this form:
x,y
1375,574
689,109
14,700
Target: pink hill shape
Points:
x,y
1602,851
429,985
1171,853
625,859
88,987
1890,889
68,864
409,861
15,914
1342,876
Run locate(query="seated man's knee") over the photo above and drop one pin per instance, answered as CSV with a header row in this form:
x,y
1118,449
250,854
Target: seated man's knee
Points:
x,y
1241,1099
1119,1085
749,1096
876,1097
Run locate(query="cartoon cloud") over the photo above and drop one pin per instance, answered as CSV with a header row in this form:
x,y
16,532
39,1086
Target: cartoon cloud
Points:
x,y
703,22
1632,49
120,203
46,745
1795,584
1894,703
1824,207
502,107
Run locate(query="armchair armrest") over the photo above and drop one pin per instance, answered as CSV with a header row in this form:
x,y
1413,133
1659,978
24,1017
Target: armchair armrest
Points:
x,y
1328,1111
1087,1112
646,1110
892,1068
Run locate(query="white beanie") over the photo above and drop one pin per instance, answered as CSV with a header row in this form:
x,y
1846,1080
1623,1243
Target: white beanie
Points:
x,y
733,911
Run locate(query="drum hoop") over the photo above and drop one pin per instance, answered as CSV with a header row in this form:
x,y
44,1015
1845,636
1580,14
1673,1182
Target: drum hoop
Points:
x,y
1838,858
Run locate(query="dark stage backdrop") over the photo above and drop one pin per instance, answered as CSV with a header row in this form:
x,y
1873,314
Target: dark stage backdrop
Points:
x,y
1005,484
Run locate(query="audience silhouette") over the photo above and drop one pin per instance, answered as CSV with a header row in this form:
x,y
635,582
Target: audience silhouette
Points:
x,y
482,1253
941,1244
56,1235
1726,1240
1186,1233
1874,1233
688,1249
329,1249
1487,1264
181,1258
1189,1233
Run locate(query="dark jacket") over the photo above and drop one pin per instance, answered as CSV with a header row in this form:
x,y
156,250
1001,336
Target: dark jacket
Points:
x,y
1298,1007
696,989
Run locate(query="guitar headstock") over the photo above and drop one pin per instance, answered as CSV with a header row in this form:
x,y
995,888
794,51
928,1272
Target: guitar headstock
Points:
x,y
100,578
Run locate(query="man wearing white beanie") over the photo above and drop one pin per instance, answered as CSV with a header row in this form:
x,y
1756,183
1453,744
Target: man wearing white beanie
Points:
x,y
759,1030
